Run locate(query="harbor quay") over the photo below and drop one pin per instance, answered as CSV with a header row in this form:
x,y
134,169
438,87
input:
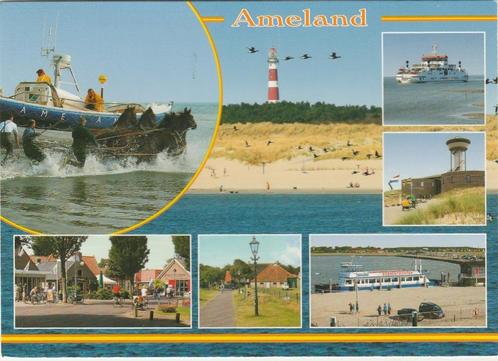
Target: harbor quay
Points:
x,y
463,307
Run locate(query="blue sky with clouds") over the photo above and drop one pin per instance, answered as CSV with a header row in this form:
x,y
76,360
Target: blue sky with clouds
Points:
x,y
220,250
426,154
400,240
354,79
150,51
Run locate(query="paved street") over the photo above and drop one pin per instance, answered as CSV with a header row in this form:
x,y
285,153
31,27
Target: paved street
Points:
x,y
92,313
218,312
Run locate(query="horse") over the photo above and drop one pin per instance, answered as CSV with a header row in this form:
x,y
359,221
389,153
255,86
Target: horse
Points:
x,y
147,120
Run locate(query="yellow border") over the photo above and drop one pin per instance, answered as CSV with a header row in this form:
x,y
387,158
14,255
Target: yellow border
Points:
x,y
440,18
213,19
208,152
254,338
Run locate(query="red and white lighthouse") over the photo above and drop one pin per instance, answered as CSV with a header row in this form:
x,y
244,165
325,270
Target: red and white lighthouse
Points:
x,y
273,96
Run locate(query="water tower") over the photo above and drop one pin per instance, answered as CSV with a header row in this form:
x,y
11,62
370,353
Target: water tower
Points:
x,y
273,94
458,148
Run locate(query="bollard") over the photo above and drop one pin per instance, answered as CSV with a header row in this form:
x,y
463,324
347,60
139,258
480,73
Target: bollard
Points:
x,y
414,319
136,311
177,317
333,322
151,315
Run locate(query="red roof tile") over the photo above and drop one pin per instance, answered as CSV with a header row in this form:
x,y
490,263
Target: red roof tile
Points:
x,y
274,273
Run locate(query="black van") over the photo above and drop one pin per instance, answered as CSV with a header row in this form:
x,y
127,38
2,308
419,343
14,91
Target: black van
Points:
x,y
430,310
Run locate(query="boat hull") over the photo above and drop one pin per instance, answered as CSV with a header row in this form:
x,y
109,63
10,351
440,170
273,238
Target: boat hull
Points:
x,y
48,115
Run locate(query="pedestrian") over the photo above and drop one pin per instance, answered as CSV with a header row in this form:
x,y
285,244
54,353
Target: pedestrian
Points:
x,y
29,146
379,310
385,309
81,138
8,136
168,292
389,309
357,307
350,307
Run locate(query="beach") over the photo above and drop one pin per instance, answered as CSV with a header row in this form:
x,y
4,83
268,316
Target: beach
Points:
x,y
463,307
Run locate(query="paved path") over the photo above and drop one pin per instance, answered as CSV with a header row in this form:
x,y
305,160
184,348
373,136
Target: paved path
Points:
x,y
218,312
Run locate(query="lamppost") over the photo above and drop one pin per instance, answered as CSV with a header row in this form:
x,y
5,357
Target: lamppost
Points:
x,y
254,244
102,81
81,263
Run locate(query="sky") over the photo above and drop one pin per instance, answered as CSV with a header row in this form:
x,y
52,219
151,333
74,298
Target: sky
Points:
x,y
220,250
400,240
354,79
161,249
426,154
150,51
398,48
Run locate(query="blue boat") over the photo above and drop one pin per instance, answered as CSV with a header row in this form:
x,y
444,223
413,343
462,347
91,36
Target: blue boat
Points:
x,y
53,106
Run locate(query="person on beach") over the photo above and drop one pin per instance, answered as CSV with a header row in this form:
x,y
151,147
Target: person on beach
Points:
x,y
42,77
29,146
94,101
8,136
389,309
379,310
350,307
357,307
81,138
385,309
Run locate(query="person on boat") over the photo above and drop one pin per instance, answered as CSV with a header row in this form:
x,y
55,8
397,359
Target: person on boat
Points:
x,y
8,136
94,101
29,146
42,77
81,138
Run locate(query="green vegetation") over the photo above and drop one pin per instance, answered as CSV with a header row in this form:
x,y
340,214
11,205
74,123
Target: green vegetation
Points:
x,y
184,312
182,248
274,310
392,198
302,112
324,250
458,206
207,294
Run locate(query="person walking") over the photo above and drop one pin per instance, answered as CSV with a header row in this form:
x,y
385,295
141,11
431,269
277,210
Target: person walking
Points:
x,y
8,136
379,310
350,307
389,309
385,309
81,138
31,149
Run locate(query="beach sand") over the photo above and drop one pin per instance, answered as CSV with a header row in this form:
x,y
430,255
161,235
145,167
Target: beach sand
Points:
x,y
300,175
459,304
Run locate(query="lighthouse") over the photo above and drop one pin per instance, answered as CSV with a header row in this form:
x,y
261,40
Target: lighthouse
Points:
x,y
458,148
273,96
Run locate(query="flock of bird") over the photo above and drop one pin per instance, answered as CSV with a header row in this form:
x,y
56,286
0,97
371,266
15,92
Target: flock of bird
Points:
x,y
306,56
314,151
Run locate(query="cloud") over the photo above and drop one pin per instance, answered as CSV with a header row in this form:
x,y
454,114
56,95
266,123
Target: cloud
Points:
x,y
291,256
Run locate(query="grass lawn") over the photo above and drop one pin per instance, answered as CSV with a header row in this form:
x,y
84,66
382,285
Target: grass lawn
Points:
x,y
184,312
274,311
458,206
207,294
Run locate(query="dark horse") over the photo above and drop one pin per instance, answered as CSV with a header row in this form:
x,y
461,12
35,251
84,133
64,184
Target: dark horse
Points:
x,y
146,138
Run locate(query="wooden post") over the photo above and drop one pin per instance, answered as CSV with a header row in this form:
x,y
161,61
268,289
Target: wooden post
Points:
x,y
151,315
136,311
177,317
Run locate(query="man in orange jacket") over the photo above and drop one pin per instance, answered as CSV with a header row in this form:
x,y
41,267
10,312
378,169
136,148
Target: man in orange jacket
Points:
x,y
94,101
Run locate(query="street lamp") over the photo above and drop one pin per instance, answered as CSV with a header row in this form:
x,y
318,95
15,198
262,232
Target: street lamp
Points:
x,y
254,244
81,263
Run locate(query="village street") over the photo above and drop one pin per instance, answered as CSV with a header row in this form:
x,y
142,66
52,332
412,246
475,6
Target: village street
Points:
x,y
219,311
91,313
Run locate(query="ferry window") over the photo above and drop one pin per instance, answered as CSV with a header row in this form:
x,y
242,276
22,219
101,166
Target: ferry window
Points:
x,y
387,279
371,281
416,278
395,279
348,282
409,279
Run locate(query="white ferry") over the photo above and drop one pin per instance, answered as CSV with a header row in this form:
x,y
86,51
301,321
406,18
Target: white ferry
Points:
x,y
434,67
353,276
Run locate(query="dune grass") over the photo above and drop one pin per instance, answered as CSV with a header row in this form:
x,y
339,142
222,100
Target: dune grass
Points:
x,y
288,138
392,198
458,206
273,310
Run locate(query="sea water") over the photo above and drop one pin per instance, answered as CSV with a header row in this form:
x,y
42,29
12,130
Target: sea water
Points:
x,y
434,102
267,213
105,195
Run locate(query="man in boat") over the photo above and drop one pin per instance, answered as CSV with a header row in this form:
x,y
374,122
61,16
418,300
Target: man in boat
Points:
x,y
42,77
81,138
8,136
94,101
31,150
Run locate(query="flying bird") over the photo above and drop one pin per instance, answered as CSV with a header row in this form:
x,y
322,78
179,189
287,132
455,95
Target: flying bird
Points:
x,y
334,56
252,50
288,58
305,57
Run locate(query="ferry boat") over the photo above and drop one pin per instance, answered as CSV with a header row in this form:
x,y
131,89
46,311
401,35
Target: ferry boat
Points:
x,y
434,67
352,277
51,105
